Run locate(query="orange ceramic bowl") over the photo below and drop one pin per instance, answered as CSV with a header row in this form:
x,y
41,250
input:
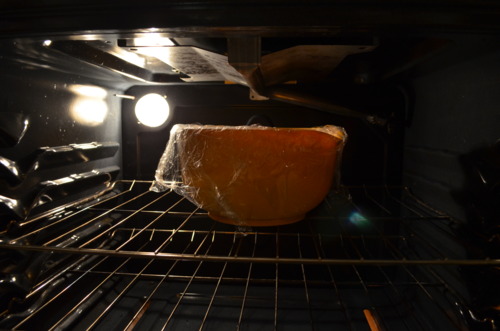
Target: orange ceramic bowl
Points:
x,y
258,176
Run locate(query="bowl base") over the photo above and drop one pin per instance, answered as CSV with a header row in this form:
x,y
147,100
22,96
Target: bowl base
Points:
x,y
257,222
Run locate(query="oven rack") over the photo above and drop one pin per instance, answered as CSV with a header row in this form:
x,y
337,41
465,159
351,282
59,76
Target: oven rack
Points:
x,y
363,258
380,216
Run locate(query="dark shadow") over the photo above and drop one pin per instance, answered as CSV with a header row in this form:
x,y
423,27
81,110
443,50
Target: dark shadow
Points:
x,y
481,200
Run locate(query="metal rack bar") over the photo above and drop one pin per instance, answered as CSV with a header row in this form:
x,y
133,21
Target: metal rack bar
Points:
x,y
114,226
160,248
77,203
132,282
424,205
245,293
212,298
64,219
417,235
276,282
311,319
44,283
384,237
398,255
422,286
428,208
121,210
321,253
244,259
122,293
399,295
356,253
133,236
118,297
373,308
183,293
154,291
82,301
432,299
48,302
403,204
241,280
260,233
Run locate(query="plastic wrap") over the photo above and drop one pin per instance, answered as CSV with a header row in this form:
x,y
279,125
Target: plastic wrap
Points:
x,y
251,175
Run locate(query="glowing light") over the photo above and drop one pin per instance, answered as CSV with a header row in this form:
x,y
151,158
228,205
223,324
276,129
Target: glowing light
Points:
x,y
153,39
161,53
152,110
129,57
89,91
359,220
47,43
89,107
88,111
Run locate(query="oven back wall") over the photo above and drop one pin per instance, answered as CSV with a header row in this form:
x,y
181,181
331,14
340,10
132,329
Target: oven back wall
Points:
x,y
364,158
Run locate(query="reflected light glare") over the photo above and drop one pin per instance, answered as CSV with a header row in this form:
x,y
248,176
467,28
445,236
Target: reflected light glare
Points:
x,y
89,111
153,39
129,57
152,110
89,91
359,220
161,53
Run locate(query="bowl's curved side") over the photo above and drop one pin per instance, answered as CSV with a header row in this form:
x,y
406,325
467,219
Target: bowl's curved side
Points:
x,y
258,177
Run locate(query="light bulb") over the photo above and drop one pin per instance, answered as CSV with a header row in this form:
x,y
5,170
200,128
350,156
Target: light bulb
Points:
x,y
152,110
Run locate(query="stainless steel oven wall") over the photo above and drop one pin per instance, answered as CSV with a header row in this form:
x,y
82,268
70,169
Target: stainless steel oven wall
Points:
x,y
452,155
59,127
454,123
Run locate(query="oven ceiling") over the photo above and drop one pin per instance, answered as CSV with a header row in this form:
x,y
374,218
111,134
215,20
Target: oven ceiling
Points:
x,y
154,58
237,64
300,71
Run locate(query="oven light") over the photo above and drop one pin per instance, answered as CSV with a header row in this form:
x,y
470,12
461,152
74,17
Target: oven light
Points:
x,y
47,43
152,110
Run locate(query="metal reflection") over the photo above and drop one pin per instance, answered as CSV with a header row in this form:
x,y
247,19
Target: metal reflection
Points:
x,y
89,108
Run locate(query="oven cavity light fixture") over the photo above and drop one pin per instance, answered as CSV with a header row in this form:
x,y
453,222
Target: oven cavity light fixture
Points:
x,y
152,110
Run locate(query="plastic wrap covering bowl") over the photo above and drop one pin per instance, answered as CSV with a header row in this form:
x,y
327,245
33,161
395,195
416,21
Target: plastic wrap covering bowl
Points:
x,y
251,175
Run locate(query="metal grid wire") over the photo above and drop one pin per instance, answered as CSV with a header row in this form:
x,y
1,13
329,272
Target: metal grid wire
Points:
x,y
138,259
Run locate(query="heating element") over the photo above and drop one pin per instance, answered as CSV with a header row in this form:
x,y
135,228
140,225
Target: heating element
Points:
x,y
138,259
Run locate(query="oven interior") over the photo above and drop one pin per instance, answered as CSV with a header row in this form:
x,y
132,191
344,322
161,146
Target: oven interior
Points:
x,y
409,241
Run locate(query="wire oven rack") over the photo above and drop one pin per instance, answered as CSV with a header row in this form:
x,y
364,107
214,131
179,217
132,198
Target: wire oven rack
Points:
x,y
368,257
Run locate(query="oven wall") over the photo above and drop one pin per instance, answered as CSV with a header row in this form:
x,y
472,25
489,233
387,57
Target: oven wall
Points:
x,y
452,155
371,156
60,110
57,108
